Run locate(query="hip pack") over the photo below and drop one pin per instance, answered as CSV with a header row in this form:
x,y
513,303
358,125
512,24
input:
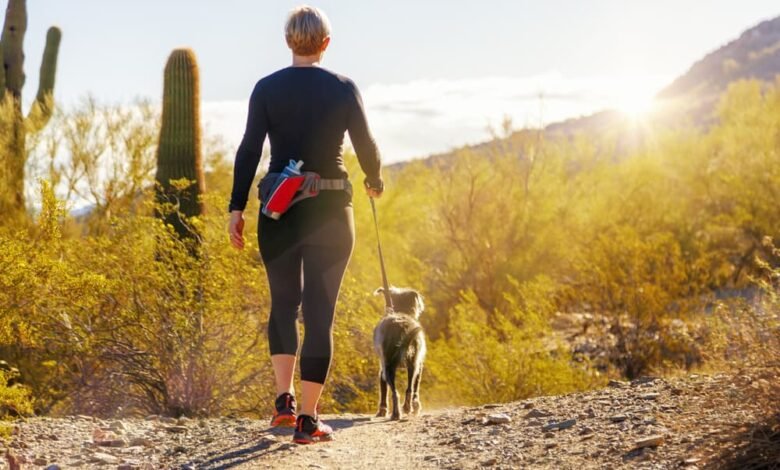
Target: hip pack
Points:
x,y
280,191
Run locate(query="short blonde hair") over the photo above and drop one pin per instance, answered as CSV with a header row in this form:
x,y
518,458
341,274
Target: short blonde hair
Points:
x,y
305,30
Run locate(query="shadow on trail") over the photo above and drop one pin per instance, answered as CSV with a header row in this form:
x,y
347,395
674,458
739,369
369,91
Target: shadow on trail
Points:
x,y
267,442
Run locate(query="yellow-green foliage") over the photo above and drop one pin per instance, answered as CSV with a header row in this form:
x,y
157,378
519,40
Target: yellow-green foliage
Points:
x,y
111,311
15,399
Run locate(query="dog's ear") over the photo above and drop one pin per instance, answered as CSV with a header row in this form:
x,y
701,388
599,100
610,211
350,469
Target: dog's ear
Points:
x,y
379,291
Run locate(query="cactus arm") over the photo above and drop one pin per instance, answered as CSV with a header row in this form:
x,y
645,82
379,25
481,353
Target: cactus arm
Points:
x,y
43,106
2,71
13,53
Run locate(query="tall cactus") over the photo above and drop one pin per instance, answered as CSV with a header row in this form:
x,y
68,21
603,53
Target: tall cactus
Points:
x,y
14,126
179,149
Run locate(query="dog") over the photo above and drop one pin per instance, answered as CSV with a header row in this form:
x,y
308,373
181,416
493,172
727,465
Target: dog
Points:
x,y
399,339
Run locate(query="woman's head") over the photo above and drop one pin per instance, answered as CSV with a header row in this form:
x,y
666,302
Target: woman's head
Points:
x,y
307,31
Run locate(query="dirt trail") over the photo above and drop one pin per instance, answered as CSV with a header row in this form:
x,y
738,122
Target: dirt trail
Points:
x,y
650,423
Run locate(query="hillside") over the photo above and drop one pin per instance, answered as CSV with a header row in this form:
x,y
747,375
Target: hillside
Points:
x,y
690,98
647,423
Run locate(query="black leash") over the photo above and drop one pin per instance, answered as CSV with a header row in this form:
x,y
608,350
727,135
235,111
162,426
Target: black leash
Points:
x,y
388,299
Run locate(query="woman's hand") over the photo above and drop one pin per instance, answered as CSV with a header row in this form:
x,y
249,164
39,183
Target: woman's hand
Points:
x,y
374,191
236,229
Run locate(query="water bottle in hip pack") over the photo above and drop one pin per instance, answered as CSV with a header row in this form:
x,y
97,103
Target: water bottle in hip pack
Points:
x,y
292,185
286,184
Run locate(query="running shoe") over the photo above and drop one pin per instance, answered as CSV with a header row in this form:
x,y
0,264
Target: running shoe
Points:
x,y
309,430
284,411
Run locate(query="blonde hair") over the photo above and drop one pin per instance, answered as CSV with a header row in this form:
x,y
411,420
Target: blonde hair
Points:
x,y
305,30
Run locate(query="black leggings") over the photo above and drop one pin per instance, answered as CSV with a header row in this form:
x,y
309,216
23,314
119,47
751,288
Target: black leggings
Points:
x,y
305,254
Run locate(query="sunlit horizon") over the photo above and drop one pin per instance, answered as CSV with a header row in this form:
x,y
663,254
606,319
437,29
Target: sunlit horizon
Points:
x,y
427,87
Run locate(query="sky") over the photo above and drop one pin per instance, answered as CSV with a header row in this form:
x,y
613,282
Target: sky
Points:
x,y
434,74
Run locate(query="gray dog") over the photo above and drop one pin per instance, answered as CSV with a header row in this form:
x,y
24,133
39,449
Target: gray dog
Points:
x,y
399,339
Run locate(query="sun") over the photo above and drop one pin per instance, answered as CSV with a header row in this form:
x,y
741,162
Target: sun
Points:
x,y
633,102
636,106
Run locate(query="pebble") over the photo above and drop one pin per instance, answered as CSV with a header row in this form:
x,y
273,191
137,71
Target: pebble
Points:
x,y
176,429
650,441
537,413
100,457
498,418
560,426
618,418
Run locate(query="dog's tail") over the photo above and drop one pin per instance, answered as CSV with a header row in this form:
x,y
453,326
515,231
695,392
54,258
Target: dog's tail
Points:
x,y
394,353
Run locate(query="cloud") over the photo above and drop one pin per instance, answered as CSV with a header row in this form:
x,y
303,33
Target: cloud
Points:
x,y
417,118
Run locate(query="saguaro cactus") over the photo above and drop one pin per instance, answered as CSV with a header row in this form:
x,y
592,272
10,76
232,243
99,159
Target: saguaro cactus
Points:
x,y
179,168
14,126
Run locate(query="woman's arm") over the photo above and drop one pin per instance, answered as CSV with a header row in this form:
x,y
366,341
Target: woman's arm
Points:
x,y
363,141
249,152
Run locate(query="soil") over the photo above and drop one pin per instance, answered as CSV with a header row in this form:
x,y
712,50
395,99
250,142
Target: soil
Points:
x,y
650,423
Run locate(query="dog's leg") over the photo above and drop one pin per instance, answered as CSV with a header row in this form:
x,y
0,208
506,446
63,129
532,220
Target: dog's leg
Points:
x,y
416,394
390,373
410,381
382,396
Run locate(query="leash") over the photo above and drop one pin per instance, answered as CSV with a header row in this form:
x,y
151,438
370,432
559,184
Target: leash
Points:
x,y
388,299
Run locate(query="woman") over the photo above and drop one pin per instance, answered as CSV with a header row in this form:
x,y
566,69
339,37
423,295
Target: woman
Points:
x,y
305,110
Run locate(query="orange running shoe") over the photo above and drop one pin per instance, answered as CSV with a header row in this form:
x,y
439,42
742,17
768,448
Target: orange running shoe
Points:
x,y
309,430
284,411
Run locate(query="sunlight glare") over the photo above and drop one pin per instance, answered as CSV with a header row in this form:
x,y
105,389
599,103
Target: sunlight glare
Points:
x,y
634,102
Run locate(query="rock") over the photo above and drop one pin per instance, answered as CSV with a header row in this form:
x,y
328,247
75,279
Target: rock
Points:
x,y
40,461
107,439
618,418
241,429
490,462
537,413
650,441
650,396
691,461
645,379
498,418
560,426
100,457
118,426
140,441
176,429
617,384
490,406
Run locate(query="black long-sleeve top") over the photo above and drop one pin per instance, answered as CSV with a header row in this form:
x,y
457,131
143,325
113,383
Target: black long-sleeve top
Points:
x,y
305,112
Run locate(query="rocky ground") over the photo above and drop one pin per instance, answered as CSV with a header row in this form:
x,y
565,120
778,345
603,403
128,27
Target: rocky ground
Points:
x,y
649,423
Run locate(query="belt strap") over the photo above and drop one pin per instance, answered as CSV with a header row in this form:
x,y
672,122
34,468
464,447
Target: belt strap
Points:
x,y
332,184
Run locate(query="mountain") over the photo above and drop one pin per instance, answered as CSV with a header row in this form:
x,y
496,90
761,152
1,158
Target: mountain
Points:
x,y
691,98
755,54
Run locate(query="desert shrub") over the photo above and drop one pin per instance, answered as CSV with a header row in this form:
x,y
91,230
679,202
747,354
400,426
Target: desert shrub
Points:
x,y
103,309
502,355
